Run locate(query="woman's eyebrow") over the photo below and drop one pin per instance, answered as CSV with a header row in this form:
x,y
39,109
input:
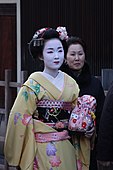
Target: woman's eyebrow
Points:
x,y
50,48
60,47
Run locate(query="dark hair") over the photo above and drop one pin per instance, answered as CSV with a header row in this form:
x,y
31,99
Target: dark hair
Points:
x,y
36,45
76,40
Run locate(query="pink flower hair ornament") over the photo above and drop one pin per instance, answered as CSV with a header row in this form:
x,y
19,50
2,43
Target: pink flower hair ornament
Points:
x,y
62,33
41,31
61,30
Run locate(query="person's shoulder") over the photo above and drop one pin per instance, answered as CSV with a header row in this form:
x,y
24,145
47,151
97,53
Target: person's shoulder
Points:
x,y
69,77
34,74
32,83
32,78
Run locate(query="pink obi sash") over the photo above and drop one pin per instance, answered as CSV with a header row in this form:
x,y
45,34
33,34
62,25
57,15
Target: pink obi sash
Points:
x,y
52,136
54,104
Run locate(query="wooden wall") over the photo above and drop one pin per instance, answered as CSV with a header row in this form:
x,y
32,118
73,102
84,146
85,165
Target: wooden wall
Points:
x,y
92,20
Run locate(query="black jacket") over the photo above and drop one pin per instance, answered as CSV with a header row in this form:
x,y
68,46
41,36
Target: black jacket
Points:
x,y
105,135
89,85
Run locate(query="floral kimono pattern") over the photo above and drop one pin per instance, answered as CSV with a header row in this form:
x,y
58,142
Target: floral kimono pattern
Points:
x,y
21,148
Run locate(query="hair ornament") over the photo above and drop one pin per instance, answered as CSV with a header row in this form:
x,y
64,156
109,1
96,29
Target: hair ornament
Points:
x,y
43,34
38,42
39,32
37,37
62,33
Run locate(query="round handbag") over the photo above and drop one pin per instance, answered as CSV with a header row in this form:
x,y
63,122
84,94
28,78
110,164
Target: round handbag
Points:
x,y
82,117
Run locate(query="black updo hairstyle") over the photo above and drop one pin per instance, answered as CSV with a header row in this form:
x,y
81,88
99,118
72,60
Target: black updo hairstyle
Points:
x,y
36,45
76,40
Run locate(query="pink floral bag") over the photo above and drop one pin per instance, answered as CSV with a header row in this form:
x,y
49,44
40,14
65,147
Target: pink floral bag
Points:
x,y
83,115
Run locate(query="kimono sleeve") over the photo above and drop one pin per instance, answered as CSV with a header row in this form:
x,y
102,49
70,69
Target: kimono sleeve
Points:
x,y
76,91
20,121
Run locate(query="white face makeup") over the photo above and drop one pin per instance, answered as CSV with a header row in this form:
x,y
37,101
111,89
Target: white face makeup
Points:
x,y
75,57
53,55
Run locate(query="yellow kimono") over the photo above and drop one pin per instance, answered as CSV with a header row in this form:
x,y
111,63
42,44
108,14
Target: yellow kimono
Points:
x,y
21,148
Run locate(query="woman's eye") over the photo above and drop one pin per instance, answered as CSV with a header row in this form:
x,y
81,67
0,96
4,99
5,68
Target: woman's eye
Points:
x,y
72,54
49,52
80,53
60,51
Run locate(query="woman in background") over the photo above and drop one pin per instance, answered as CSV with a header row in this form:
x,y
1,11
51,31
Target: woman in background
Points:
x,y
77,67
37,132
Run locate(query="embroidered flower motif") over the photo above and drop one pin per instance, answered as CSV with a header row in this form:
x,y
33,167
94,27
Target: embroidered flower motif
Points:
x,y
51,149
36,88
17,116
62,33
55,161
35,164
59,125
84,124
25,94
26,119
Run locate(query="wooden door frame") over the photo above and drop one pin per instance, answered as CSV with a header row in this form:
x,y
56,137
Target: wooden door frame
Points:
x,y
18,34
